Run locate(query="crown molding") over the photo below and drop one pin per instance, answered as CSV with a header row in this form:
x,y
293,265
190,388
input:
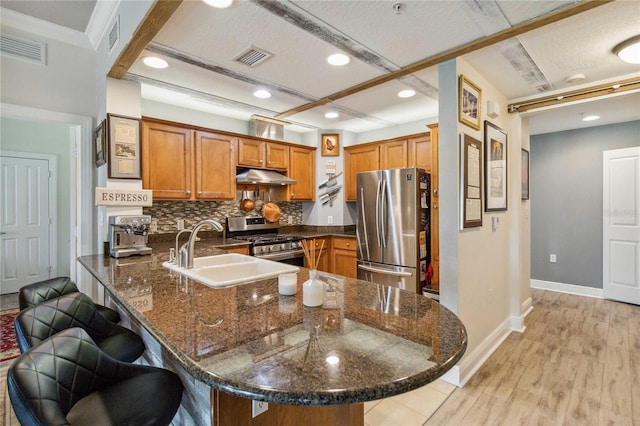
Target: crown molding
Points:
x,y
100,19
35,26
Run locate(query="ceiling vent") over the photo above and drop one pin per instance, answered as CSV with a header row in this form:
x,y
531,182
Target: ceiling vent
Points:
x,y
253,56
114,34
28,50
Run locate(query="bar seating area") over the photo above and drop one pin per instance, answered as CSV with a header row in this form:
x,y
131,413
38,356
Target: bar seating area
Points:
x,y
77,364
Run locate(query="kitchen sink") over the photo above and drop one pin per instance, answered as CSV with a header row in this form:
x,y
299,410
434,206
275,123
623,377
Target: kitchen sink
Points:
x,y
233,268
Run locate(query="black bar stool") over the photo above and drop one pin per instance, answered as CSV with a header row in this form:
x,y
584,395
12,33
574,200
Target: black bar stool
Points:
x,y
67,379
42,291
38,322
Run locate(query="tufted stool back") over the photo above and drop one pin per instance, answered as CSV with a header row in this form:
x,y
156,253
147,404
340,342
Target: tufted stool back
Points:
x,y
36,293
38,322
67,379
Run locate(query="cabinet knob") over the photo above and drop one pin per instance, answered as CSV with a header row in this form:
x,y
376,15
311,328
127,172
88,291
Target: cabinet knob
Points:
x,y
348,244
435,206
435,192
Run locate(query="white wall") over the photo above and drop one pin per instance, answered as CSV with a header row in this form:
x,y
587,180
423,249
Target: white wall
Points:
x,y
480,268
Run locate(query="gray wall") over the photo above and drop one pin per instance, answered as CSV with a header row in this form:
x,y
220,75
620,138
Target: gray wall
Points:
x,y
566,201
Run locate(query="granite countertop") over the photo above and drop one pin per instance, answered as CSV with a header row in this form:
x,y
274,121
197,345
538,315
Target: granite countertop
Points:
x,y
368,342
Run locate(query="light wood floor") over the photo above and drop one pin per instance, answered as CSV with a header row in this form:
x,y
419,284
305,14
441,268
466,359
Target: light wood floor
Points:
x,y
577,363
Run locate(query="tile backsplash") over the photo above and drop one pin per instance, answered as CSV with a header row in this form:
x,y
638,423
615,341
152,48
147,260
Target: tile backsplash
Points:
x,y
168,212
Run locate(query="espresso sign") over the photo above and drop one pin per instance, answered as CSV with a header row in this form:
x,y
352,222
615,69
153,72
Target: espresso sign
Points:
x,y
124,197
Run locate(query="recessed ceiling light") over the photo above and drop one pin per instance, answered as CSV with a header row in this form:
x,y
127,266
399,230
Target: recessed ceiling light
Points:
x,y
262,94
332,115
155,62
406,93
220,4
629,50
338,59
590,117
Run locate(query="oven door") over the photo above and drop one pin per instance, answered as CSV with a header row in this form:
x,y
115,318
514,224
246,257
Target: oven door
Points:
x,y
292,257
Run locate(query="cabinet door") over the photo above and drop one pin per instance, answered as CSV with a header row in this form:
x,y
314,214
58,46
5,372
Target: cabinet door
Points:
x,y
166,160
251,153
302,169
314,245
215,166
343,257
420,152
359,159
277,156
393,155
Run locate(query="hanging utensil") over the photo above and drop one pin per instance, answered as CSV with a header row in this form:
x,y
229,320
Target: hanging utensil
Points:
x,y
271,211
247,204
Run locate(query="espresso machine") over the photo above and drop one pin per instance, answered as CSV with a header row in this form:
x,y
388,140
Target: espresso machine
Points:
x,y
128,235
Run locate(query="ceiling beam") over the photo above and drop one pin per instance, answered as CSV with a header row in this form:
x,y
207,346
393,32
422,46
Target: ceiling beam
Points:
x,y
506,34
151,24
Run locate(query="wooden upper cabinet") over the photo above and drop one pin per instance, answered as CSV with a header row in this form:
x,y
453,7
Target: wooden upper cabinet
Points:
x,y
359,159
262,154
215,162
420,152
302,169
277,156
166,160
435,209
393,154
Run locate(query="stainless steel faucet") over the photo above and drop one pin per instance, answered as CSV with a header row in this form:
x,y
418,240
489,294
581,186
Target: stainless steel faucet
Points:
x,y
174,258
186,251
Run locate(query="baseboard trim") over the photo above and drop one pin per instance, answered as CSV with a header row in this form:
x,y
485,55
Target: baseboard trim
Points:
x,y
460,374
578,290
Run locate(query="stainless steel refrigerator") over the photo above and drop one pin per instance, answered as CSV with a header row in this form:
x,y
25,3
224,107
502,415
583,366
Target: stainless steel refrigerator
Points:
x,y
393,227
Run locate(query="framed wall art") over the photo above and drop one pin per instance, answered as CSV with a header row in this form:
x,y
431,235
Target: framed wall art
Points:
x,y
470,181
469,101
100,142
524,181
495,168
330,144
124,147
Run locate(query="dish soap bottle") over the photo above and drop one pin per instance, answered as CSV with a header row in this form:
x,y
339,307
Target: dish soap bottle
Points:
x,y
313,290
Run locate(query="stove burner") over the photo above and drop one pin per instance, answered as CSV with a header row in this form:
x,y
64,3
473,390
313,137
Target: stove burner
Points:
x,y
264,241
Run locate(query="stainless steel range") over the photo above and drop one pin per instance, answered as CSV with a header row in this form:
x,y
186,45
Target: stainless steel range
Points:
x,y
265,240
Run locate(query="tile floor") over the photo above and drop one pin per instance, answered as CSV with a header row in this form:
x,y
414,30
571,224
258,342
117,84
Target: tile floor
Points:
x,y
408,409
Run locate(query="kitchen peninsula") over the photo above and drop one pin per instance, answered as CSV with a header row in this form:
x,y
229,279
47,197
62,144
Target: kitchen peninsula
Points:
x,y
247,341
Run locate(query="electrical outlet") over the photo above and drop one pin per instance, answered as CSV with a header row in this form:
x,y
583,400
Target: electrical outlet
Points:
x,y
154,225
258,407
330,220
180,224
290,220
552,258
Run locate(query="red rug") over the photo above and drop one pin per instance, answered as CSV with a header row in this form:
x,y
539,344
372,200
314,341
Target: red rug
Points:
x,y
8,345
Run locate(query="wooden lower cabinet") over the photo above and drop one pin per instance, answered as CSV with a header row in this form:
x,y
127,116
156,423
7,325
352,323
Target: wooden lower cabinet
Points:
x,y
239,250
343,257
324,263
230,410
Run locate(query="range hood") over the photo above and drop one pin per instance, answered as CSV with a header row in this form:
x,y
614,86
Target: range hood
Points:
x,y
263,177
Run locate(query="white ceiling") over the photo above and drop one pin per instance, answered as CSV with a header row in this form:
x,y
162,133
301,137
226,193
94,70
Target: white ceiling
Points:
x,y
200,43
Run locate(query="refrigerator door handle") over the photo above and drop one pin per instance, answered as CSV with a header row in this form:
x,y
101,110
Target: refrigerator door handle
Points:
x,y
378,213
385,271
364,223
383,210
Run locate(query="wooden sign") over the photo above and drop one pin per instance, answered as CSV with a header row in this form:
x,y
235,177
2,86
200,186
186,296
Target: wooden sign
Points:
x,y
124,197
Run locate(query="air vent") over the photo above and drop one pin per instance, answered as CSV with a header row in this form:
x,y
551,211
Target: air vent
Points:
x,y
28,50
253,56
114,34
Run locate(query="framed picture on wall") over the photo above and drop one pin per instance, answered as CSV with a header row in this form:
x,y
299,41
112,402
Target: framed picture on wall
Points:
x,y
495,168
469,101
124,147
100,142
330,144
524,164
470,181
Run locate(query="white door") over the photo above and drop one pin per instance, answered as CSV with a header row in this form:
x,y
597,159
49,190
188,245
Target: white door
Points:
x,y
621,225
24,222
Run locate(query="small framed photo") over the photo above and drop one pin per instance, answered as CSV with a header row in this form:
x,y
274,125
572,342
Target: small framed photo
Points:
x,y
330,144
100,142
524,181
470,182
124,147
469,101
495,168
